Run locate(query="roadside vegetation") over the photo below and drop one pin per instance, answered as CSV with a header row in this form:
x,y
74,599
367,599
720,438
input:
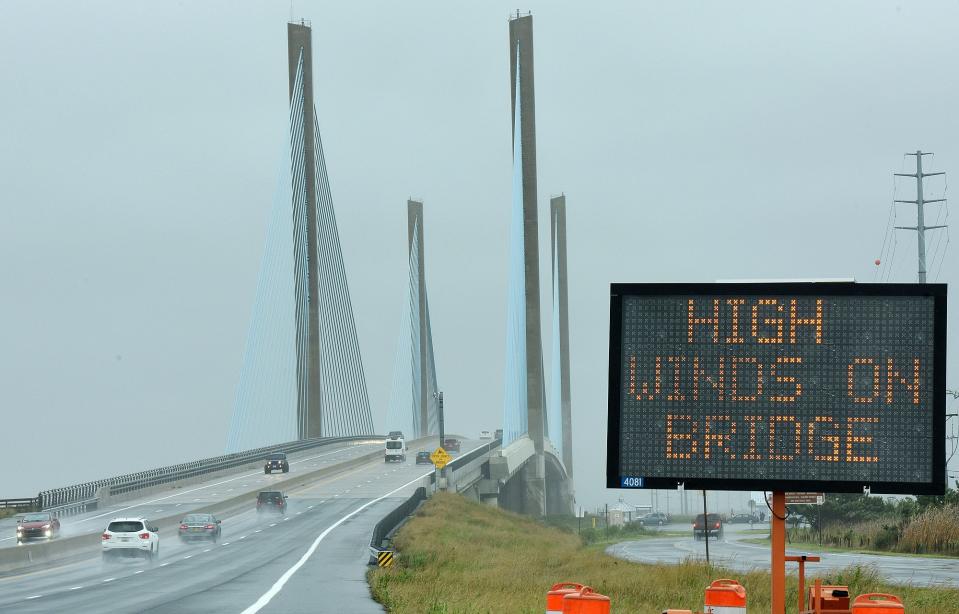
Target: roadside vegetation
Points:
x,y
456,556
925,525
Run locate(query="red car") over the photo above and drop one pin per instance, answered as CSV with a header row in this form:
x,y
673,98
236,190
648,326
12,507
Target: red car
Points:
x,y
37,525
451,445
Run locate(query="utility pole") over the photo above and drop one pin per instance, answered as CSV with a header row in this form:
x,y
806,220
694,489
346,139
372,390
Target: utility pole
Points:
x,y
920,226
706,526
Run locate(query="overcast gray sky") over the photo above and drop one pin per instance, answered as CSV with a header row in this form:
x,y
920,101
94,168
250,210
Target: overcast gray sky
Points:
x,y
694,141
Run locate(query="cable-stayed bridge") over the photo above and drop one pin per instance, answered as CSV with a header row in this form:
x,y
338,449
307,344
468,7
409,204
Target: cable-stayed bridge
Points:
x,y
302,390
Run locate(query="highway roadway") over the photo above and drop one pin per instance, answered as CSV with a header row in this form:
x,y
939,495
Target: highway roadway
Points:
x,y
313,559
734,553
169,500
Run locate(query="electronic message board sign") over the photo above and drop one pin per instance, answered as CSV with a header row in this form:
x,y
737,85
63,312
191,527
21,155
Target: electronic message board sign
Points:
x,y
828,387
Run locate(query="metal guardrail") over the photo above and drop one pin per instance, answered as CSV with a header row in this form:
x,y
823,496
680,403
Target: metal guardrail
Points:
x,y
81,497
385,528
27,505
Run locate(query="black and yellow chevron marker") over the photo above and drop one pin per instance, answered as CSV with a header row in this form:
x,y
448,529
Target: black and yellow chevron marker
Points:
x,y
384,558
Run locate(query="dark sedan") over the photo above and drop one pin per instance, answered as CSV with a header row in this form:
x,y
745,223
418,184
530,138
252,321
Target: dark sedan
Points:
x,y
451,445
199,527
38,525
423,458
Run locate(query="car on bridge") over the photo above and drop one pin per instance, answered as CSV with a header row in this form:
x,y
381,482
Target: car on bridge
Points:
x,y
451,444
485,435
271,501
707,526
195,527
276,462
37,525
395,435
125,537
423,458
499,434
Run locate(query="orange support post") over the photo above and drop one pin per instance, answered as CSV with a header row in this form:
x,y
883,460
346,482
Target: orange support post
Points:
x,y
802,560
778,561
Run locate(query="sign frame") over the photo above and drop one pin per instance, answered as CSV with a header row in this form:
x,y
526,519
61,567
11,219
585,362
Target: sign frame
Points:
x,y
938,292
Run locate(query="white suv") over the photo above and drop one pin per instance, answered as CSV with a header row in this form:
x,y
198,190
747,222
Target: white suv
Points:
x,y
130,537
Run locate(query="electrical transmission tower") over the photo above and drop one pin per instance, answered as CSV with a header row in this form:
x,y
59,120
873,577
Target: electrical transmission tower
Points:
x,y
920,226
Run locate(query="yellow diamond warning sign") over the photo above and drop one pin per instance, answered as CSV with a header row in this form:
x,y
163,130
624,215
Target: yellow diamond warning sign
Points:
x,y
440,457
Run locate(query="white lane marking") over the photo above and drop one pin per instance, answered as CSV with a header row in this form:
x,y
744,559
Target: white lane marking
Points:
x,y
207,550
75,588
157,511
258,530
178,505
310,507
266,597
239,477
226,543
163,564
138,571
273,525
298,513
189,556
109,579
34,596
335,496
244,537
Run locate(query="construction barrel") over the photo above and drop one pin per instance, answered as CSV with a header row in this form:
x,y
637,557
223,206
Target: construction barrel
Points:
x,y
877,603
586,601
725,597
554,597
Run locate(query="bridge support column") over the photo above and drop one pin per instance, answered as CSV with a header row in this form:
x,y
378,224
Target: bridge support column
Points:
x,y
534,480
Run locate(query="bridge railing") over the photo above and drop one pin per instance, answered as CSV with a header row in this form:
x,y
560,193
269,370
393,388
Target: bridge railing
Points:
x,y
82,497
26,505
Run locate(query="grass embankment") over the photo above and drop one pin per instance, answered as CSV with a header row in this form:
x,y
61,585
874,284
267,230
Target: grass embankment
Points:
x,y
457,556
813,547
934,531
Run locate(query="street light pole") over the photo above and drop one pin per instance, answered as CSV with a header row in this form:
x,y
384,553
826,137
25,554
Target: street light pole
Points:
x,y
442,436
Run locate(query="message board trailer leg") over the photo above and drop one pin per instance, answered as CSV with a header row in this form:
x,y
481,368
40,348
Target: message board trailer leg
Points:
x,y
778,544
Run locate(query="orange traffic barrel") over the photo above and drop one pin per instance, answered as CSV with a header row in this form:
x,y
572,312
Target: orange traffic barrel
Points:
x,y
877,603
830,598
587,601
554,597
725,597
